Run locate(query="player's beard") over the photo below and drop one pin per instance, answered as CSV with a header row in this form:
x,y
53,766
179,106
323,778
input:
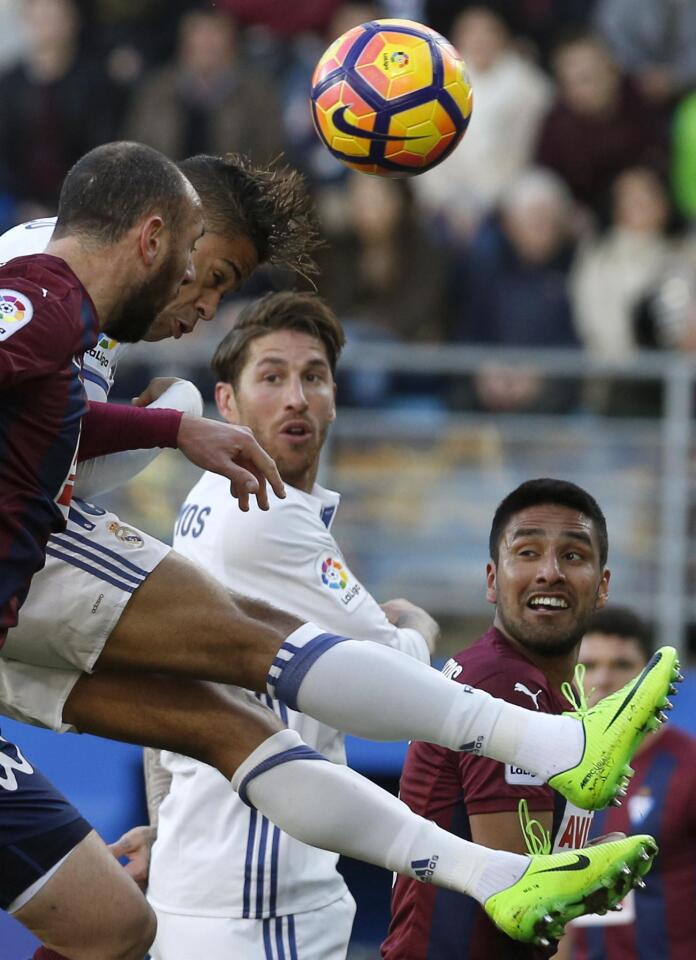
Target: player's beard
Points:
x,y
135,314
296,470
544,641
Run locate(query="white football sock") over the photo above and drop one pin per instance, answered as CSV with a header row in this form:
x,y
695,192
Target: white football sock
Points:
x,y
372,691
330,806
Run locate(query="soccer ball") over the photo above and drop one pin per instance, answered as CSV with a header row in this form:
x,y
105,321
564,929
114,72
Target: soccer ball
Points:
x,y
391,97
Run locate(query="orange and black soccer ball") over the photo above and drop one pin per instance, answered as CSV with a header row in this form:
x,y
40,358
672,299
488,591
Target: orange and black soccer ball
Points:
x,y
391,97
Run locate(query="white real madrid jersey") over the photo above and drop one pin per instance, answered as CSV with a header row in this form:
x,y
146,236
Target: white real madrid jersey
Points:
x,y
99,362
213,855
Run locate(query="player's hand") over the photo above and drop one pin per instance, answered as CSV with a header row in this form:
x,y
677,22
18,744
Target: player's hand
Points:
x,y
154,390
136,846
403,613
232,452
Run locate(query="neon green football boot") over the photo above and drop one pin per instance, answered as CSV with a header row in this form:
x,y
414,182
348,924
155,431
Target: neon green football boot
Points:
x,y
558,887
614,729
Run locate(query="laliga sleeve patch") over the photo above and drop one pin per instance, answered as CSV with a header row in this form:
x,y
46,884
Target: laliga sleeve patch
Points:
x,y
336,579
16,310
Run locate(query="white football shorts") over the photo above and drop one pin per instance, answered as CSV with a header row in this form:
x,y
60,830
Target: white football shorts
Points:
x,y
92,570
321,934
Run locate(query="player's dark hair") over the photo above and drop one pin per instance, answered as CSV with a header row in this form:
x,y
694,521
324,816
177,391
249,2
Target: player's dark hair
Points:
x,y
287,310
546,490
270,205
624,623
113,186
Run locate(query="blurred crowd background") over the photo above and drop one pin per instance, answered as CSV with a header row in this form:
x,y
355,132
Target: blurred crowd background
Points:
x,y
565,221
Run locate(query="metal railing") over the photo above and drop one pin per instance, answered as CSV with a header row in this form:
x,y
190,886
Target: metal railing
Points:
x,y
420,482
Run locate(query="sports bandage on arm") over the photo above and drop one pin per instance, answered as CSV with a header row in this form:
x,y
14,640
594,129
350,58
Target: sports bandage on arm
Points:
x,y
408,640
99,475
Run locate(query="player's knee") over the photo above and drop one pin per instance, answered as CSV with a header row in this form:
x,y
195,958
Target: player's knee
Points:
x,y
239,732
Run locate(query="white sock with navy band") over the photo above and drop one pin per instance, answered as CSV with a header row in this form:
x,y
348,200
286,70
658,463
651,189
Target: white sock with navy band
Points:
x,y
330,806
372,691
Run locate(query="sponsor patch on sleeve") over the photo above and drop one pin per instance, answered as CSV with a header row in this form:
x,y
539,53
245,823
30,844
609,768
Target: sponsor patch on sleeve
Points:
x,y
16,310
335,578
518,776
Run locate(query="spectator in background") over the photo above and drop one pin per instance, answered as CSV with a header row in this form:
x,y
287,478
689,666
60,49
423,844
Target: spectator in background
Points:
x,y
379,269
600,123
535,23
654,41
208,100
660,802
132,35
616,275
511,95
54,106
512,285
618,268
386,278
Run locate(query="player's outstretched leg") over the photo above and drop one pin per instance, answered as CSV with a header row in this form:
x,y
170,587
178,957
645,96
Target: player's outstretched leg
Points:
x,y
530,899
559,887
196,629
584,755
326,804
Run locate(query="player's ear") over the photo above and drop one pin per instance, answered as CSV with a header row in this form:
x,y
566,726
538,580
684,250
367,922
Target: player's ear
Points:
x,y
333,411
603,590
151,238
491,586
226,402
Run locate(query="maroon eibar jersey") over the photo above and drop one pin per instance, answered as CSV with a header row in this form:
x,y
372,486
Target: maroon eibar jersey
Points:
x,y
47,321
429,923
661,801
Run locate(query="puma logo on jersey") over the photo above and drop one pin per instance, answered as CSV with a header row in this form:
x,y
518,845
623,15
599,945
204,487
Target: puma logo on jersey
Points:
x,y
521,688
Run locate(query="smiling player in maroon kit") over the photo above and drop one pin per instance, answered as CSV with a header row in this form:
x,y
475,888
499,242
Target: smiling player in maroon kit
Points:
x,y
546,577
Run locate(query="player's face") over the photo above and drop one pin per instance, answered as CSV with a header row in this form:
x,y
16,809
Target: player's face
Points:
x,y
222,264
610,661
147,298
286,394
548,580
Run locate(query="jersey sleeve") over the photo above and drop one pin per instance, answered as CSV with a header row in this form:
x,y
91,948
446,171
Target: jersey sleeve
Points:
x,y
490,786
328,591
38,335
290,552
112,427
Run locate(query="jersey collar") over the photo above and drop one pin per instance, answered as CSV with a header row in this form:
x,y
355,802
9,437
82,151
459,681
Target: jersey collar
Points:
x,y
324,502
